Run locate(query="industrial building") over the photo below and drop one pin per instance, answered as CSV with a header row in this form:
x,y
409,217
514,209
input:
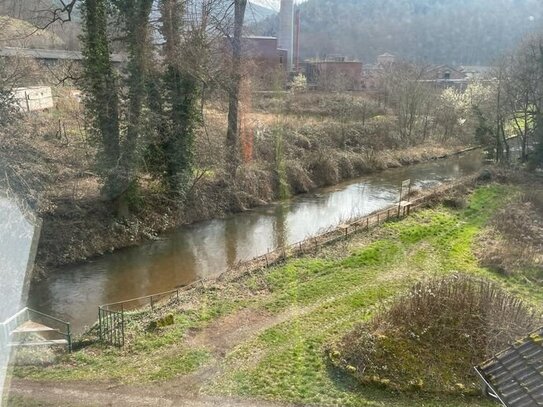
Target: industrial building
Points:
x,y
334,74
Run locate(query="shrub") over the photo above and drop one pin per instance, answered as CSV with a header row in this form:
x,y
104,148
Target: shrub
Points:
x,y
430,338
513,242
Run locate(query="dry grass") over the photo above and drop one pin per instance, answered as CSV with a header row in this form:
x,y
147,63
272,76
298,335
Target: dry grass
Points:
x,y
513,242
52,160
430,338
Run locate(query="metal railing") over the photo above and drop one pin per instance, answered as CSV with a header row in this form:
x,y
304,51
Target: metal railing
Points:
x,y
27,314
111,317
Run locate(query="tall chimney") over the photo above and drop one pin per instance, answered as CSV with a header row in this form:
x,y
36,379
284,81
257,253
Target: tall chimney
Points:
x,y
285,39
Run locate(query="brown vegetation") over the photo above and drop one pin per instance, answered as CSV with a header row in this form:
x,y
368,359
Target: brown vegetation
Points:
x,y
513,242
430,338
318,149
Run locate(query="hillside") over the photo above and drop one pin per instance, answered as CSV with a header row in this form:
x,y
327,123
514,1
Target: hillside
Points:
x,y
437,31
20,33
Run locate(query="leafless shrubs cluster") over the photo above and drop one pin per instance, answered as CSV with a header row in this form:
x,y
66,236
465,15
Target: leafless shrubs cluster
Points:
x,y
456,307
429,338
513,242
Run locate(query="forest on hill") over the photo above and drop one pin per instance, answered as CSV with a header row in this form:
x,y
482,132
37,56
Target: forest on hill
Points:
x,y
470,32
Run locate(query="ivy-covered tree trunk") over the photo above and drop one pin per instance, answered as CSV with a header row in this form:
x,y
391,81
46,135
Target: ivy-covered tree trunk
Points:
x,y
232,134
181,95
101,97
137,14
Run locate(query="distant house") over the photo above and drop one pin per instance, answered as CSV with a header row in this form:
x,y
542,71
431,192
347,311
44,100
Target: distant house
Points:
x,y
444,73
476,72
386,59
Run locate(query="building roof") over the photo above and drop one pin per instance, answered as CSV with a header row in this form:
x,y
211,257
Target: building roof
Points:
x,y
515,375
51,54
475,68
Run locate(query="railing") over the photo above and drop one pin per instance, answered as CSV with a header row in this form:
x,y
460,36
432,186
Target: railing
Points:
x,y
111,317
10,325
111,325
28,314
61,326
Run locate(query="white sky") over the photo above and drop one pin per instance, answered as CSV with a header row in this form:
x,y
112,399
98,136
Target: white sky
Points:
x,y
273,4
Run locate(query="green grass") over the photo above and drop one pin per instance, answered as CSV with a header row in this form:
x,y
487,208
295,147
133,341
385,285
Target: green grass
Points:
x,y
287,362
319,300
149,356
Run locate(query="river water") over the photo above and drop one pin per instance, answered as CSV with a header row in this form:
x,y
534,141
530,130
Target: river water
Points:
x,y
208,248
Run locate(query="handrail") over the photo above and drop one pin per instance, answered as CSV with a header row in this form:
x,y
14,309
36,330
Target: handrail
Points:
x,y
10,319
48,316
7,328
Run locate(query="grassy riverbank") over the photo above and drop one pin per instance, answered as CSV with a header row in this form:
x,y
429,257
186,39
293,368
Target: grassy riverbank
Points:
x,y
264,335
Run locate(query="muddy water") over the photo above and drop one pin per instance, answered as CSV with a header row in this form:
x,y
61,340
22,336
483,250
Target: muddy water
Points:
x,y
208,248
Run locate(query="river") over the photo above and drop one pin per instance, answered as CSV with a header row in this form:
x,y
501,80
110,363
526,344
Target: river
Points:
x,y
208,248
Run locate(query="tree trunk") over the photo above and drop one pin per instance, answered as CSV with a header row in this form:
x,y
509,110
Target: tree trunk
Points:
x,y
138,33
100,87
232,135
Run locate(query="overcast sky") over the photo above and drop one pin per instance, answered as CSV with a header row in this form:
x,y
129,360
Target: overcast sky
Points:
x,y
274,4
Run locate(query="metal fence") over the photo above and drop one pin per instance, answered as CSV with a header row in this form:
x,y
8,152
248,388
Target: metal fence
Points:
x,y
111,326
111,317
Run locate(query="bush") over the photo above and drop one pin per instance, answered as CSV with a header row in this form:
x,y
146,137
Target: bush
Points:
x,y
513,242
430,338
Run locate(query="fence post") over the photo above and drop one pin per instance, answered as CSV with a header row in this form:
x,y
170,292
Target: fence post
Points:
x,y
122,324
152,307
100,323
69,337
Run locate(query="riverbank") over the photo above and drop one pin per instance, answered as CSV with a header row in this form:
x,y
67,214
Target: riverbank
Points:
x,y
295,144
263,335
77,231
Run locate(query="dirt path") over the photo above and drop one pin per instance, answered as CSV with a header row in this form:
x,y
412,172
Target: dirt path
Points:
x,y
220,338
83,394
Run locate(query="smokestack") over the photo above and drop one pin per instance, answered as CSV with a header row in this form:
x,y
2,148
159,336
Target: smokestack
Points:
x,y
285,39
298,29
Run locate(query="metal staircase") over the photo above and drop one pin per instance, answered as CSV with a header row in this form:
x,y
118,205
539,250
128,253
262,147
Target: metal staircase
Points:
x,y
31,328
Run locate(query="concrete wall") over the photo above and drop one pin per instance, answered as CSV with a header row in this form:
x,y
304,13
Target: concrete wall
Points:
x,y
34,98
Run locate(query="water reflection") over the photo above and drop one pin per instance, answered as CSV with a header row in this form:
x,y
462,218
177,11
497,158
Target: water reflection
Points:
x,y
208,248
